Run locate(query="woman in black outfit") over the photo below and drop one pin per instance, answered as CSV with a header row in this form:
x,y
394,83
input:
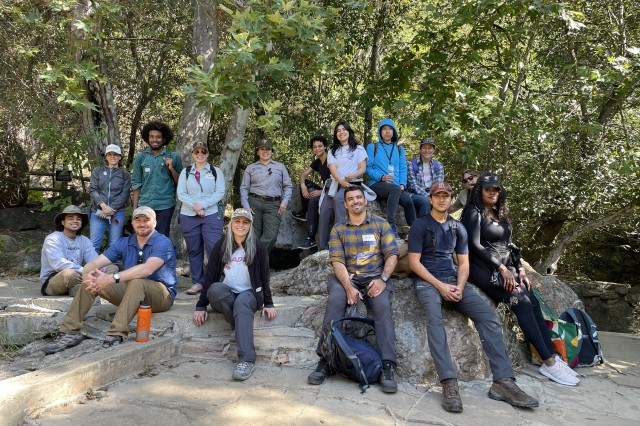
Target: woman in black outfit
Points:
x,y
501,276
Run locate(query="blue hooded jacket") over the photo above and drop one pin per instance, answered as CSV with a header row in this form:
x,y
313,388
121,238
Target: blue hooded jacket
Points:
x,y
385,154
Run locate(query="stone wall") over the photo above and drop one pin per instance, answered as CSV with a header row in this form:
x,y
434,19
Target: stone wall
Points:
x,y
610,305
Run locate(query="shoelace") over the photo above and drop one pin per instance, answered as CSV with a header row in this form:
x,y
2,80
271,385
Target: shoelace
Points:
x,y
451,390
243,366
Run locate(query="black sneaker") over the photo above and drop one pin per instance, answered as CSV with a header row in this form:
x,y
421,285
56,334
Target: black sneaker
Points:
x,y
112,341
301,216
62,342
388,378
323,370
307,244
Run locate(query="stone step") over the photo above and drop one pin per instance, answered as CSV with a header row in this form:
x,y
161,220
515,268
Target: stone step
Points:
x,y
293,346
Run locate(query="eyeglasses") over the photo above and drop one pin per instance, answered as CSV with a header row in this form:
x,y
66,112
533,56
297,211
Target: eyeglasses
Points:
x,y
140,253
200,152
469,179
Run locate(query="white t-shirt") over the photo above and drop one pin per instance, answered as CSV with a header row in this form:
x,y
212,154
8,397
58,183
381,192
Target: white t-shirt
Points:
x,y
426,176
236,273
345,161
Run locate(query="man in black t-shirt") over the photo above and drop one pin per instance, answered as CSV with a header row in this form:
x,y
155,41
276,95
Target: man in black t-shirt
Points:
x,y
310,193
433,240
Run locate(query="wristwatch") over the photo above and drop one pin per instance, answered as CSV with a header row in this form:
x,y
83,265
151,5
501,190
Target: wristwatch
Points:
x,y
116,277
383,278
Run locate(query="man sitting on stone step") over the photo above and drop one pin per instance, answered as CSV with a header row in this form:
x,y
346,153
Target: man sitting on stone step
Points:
x,y
64,252
363,253
149,276
433,239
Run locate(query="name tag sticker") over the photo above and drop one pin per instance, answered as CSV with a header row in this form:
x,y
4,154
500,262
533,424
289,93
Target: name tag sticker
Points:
x,y
147,169
369,237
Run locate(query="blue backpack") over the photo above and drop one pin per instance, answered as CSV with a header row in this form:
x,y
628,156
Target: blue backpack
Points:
x,y
589,348
352,358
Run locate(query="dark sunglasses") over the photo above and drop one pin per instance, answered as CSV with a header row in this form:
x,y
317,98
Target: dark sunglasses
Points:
x,y
270,171
469,179
140,253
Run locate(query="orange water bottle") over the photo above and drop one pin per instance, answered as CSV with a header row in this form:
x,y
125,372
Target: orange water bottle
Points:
x,y
144,322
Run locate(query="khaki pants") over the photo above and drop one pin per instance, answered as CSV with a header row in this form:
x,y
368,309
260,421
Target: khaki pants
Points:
x,y
127,296
62,282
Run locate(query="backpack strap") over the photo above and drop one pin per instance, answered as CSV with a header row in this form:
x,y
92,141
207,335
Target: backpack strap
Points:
x,y
188,170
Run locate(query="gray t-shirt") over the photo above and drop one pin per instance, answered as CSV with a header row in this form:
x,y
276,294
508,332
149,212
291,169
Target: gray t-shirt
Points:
x,y
60,252
236,273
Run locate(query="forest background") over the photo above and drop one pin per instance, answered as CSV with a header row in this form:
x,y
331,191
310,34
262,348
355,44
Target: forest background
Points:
x,y
544,93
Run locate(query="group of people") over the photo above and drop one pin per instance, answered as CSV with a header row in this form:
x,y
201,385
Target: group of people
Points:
x,y
443,254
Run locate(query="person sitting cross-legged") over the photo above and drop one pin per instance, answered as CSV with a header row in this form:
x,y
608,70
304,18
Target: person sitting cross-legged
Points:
x,y
433,239
149,276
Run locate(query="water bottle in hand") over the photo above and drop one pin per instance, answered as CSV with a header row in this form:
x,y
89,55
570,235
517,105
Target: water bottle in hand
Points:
x,y
391,171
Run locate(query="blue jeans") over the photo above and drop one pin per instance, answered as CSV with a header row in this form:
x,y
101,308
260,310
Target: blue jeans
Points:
x,y
422,204
98,226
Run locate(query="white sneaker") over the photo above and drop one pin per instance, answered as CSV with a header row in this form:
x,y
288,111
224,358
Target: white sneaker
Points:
x,y
566,366
559,374
243,370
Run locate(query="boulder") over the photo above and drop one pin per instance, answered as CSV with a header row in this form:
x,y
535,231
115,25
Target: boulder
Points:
x,y
414,360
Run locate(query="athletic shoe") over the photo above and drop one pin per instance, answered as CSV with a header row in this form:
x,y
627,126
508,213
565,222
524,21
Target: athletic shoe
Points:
x,y
195,289
506,390
62,342
243,370
388,378
307,244
559,374
564,364
302,217
323,370
110,341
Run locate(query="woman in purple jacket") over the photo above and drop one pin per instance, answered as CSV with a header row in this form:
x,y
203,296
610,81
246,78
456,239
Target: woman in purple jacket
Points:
x,y
237,285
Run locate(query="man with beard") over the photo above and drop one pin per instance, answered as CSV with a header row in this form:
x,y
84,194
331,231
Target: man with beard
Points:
x,y
155,175
363,254
149,276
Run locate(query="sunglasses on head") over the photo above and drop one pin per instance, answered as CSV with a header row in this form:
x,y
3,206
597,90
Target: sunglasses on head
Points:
x,y
469,179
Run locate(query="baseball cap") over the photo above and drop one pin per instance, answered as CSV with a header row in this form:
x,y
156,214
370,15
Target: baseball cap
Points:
x,y
441,187
427,140
264,142
144,211
242,213
489,180
199,145
113,148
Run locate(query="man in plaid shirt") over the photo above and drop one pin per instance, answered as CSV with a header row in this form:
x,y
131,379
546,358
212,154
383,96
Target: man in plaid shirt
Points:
x,y
363,253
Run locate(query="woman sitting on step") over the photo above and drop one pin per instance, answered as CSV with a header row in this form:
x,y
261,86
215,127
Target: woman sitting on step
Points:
x,y
237,285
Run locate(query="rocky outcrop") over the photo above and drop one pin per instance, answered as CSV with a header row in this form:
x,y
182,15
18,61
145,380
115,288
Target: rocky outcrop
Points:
x,y
414,359
610,305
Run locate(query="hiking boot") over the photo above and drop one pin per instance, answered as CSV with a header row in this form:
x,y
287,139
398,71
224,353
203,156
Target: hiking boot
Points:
x,y
506,390
323,370
559,374
195,289
388,378
243,370
112,341
62,342
301,216
451,401
307,244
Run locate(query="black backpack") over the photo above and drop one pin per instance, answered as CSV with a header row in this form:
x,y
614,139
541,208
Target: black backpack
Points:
x,y
352,358
589,348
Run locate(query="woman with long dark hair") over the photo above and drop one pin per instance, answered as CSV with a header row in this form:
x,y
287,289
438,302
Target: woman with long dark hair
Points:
x,y
237,285
495,267
347,163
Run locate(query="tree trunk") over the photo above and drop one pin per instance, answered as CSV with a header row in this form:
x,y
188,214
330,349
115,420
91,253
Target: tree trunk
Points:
x,y
373,70
233,145
550,264
99,127
195,121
